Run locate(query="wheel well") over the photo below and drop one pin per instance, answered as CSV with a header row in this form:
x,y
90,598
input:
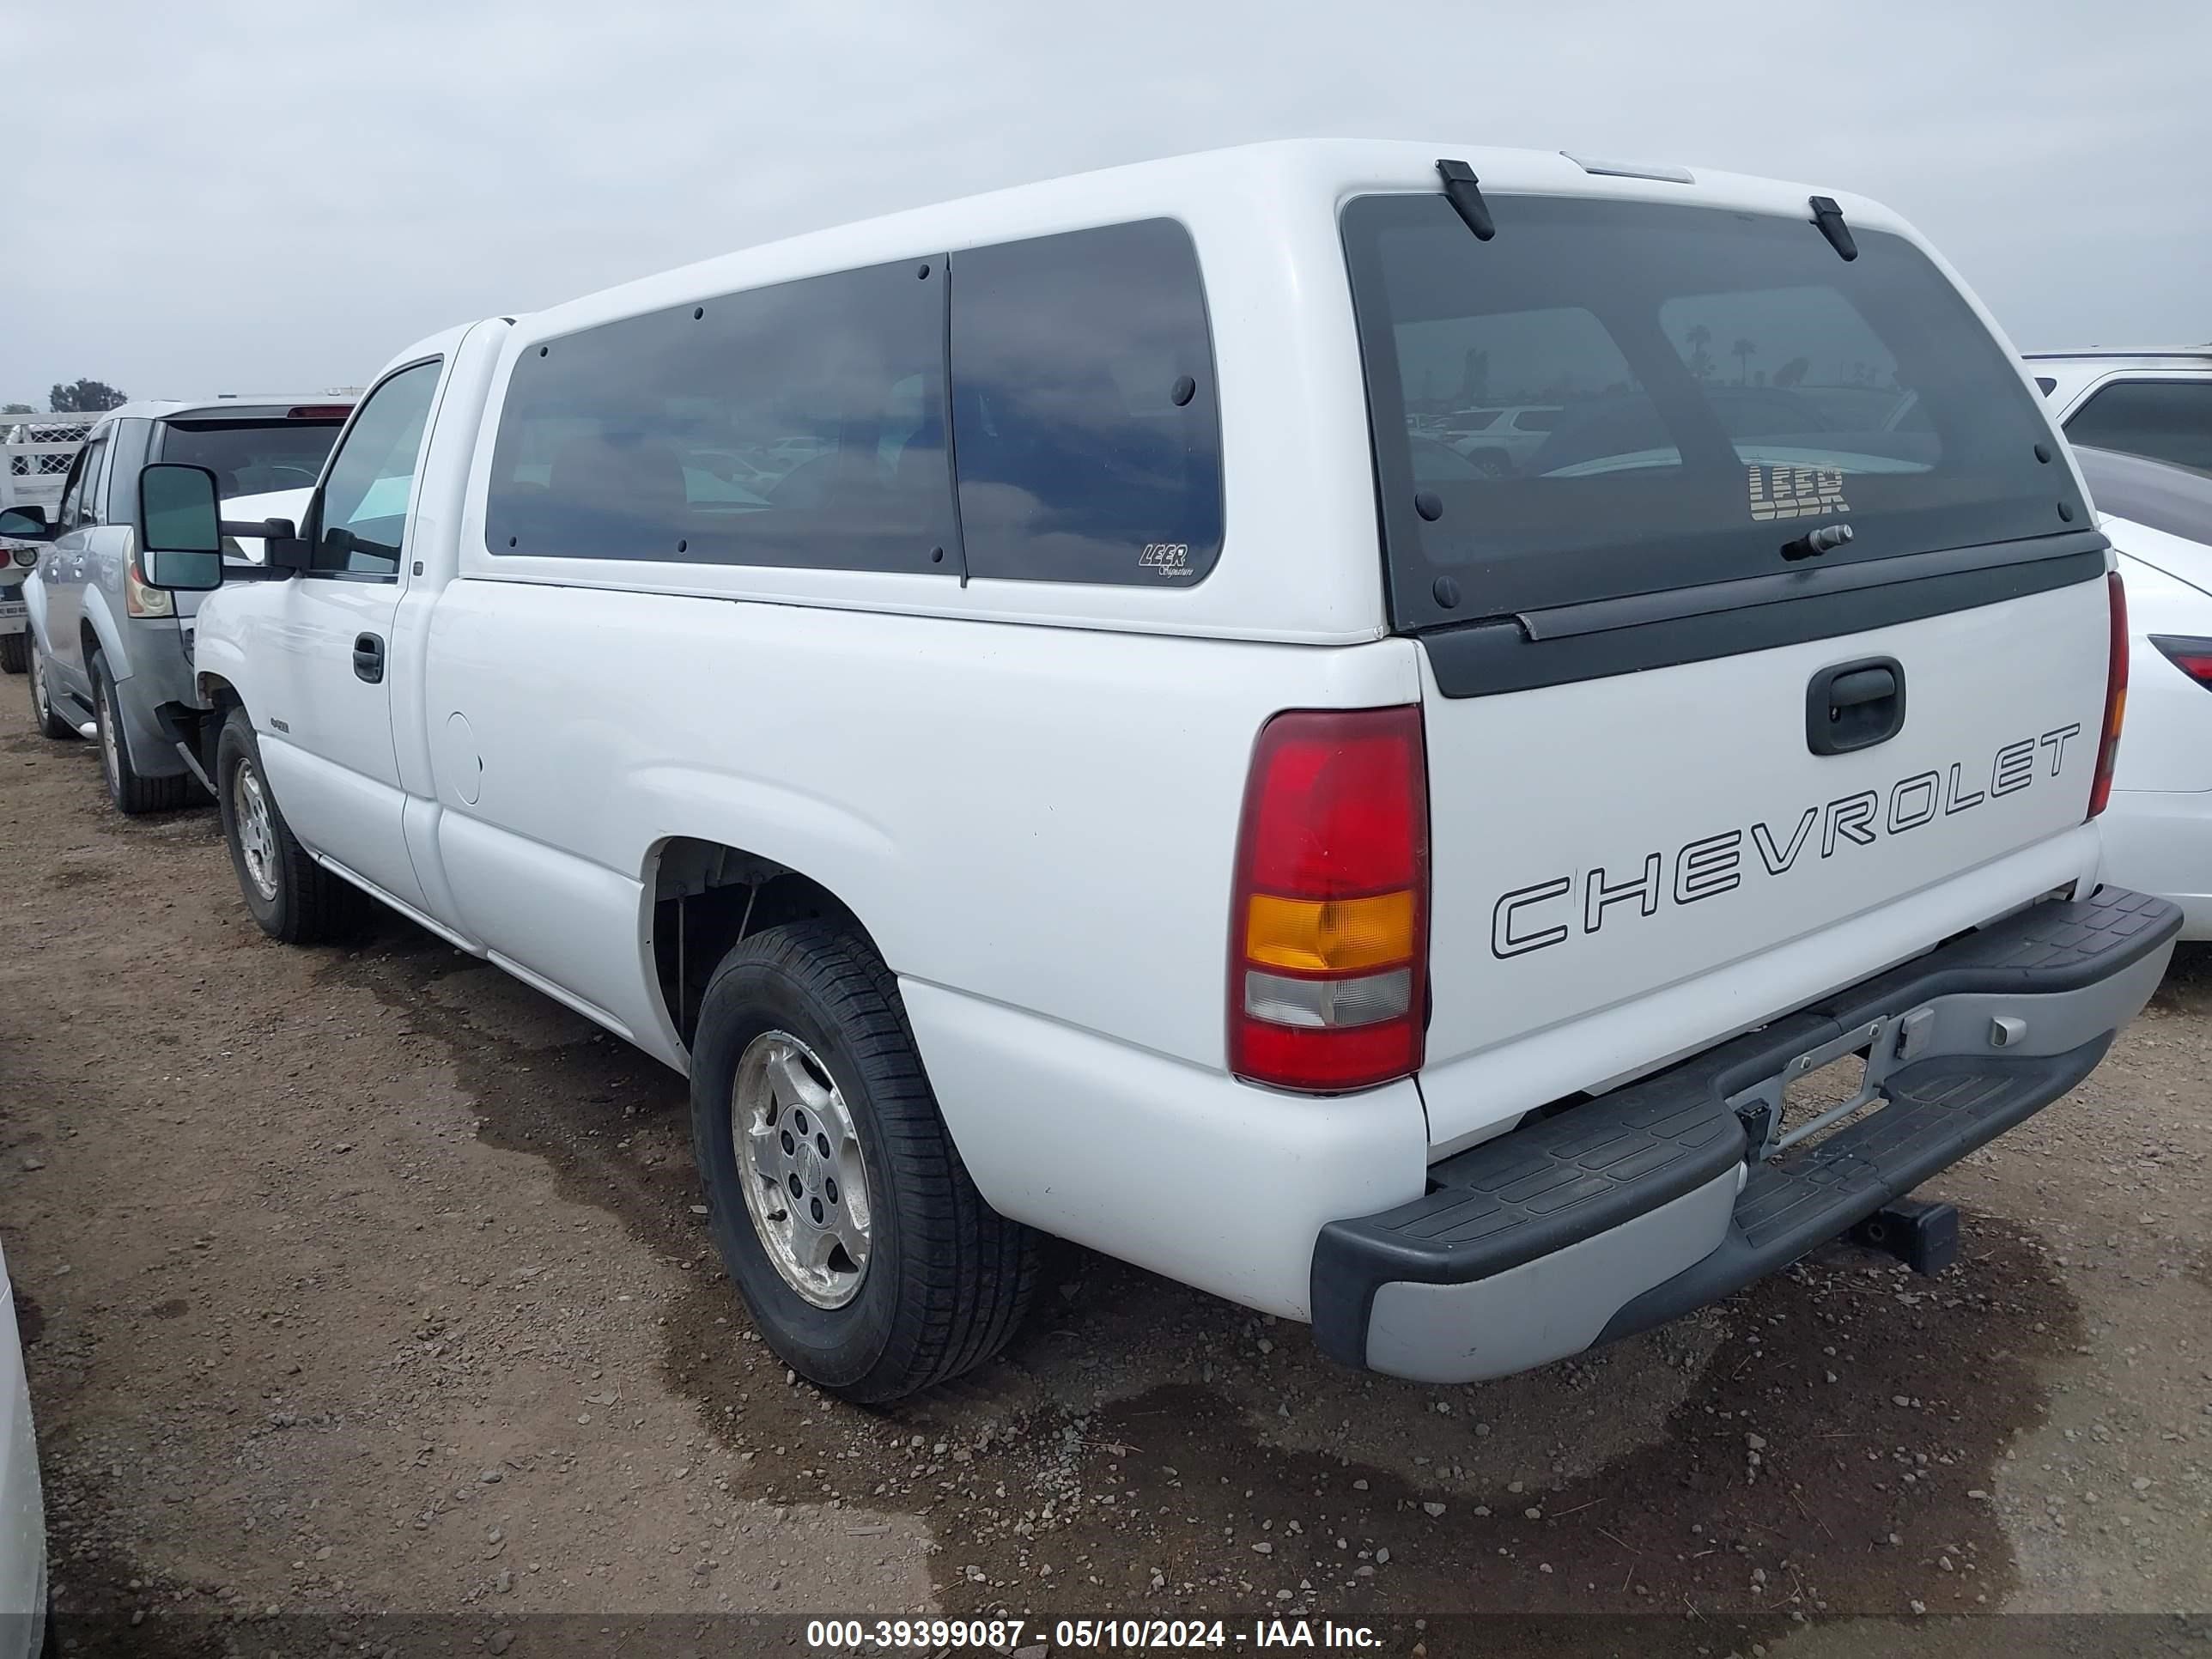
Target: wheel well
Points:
x,y
707,896
220,697
221,694
87,638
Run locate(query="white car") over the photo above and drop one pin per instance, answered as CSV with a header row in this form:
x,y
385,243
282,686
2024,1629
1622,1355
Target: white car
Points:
x,y
23,1504
2158,832
1500,441
1122,785
2153,403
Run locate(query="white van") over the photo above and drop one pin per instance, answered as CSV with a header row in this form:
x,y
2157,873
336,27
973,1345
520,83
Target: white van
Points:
x,y
988,694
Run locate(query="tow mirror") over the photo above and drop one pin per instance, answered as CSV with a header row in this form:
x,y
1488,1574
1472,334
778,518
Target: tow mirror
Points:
x,y
182,520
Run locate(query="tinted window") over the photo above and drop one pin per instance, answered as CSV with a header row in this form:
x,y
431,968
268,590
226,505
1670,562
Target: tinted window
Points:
x,y
251,458
2164,420
72,488
363,511
2045,384
98,471
1700,383
801,424
1084,419
80,496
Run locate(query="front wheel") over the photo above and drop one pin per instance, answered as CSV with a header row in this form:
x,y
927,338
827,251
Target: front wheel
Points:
x,y
837,1198
291,896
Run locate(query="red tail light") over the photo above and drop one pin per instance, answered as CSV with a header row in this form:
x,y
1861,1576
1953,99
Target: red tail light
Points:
x,y
319,412
2192,657
1328,927
2115,697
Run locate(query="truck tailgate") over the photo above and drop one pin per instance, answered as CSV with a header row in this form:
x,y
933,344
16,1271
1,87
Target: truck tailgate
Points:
x,y
1596,843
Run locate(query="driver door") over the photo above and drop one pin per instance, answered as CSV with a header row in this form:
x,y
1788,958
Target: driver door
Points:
x,y
327,739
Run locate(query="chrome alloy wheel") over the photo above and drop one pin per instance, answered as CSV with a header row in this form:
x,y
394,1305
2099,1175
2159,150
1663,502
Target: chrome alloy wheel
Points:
x,y
798,1160
257,834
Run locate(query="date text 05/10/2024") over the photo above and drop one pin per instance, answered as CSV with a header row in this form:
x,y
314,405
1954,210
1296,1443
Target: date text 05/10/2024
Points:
x,y
1068,1635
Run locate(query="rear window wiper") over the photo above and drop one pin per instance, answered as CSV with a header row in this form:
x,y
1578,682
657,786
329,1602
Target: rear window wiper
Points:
x,y
1462,190
1829,218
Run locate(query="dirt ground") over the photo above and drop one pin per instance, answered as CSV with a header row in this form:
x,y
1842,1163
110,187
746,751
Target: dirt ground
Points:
x,y
363,1282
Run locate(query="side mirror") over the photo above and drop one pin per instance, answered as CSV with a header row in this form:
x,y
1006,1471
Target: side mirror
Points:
x,y
182,545
26,524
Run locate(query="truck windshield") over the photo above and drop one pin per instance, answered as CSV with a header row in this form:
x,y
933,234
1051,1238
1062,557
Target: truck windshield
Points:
x,y
252,457
1710,385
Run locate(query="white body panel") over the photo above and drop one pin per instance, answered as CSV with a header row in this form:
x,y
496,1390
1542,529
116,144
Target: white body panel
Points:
x,y
1028,792
334,766
1094,776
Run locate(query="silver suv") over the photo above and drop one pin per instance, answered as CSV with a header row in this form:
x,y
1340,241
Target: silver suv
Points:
x,y
107,651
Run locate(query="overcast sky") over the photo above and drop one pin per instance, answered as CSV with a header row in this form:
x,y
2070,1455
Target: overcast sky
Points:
x,y
234,194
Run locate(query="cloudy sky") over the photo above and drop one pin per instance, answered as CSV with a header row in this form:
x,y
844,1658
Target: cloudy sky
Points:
x,y
242,195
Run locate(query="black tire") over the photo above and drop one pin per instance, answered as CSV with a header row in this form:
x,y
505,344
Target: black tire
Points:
x,y
132,793
306,903
42,713
15,653
947,1277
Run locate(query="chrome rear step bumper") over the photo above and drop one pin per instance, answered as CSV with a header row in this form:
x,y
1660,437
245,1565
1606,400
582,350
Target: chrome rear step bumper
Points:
x,y
1627,1211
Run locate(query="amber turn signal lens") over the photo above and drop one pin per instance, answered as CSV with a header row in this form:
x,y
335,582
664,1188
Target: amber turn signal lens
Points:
x,y
1329,936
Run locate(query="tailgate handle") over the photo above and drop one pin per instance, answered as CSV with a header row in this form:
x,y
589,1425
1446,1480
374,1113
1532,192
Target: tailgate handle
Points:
x,y
1862,685
1855,705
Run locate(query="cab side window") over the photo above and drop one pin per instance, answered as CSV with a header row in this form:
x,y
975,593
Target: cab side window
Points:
x,y
371,481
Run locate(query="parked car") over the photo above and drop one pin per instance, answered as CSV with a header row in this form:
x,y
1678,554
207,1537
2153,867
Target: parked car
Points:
x,y
22,1503
107,651
2158,833
1108,791
2153,403
1499,440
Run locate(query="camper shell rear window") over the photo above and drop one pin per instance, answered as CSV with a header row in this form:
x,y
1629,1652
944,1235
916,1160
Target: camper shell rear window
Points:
x,y
1713,384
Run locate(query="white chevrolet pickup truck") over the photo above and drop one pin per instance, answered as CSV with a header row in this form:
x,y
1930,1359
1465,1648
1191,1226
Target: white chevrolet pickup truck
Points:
x,y
1014,700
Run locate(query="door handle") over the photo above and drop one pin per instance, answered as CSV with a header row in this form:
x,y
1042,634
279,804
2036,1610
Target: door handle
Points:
x,y
1855,705
369,657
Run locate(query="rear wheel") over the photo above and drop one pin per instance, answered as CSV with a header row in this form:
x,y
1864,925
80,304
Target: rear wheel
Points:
x,y
131,791
43,713
15,653
291,896
838,1202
